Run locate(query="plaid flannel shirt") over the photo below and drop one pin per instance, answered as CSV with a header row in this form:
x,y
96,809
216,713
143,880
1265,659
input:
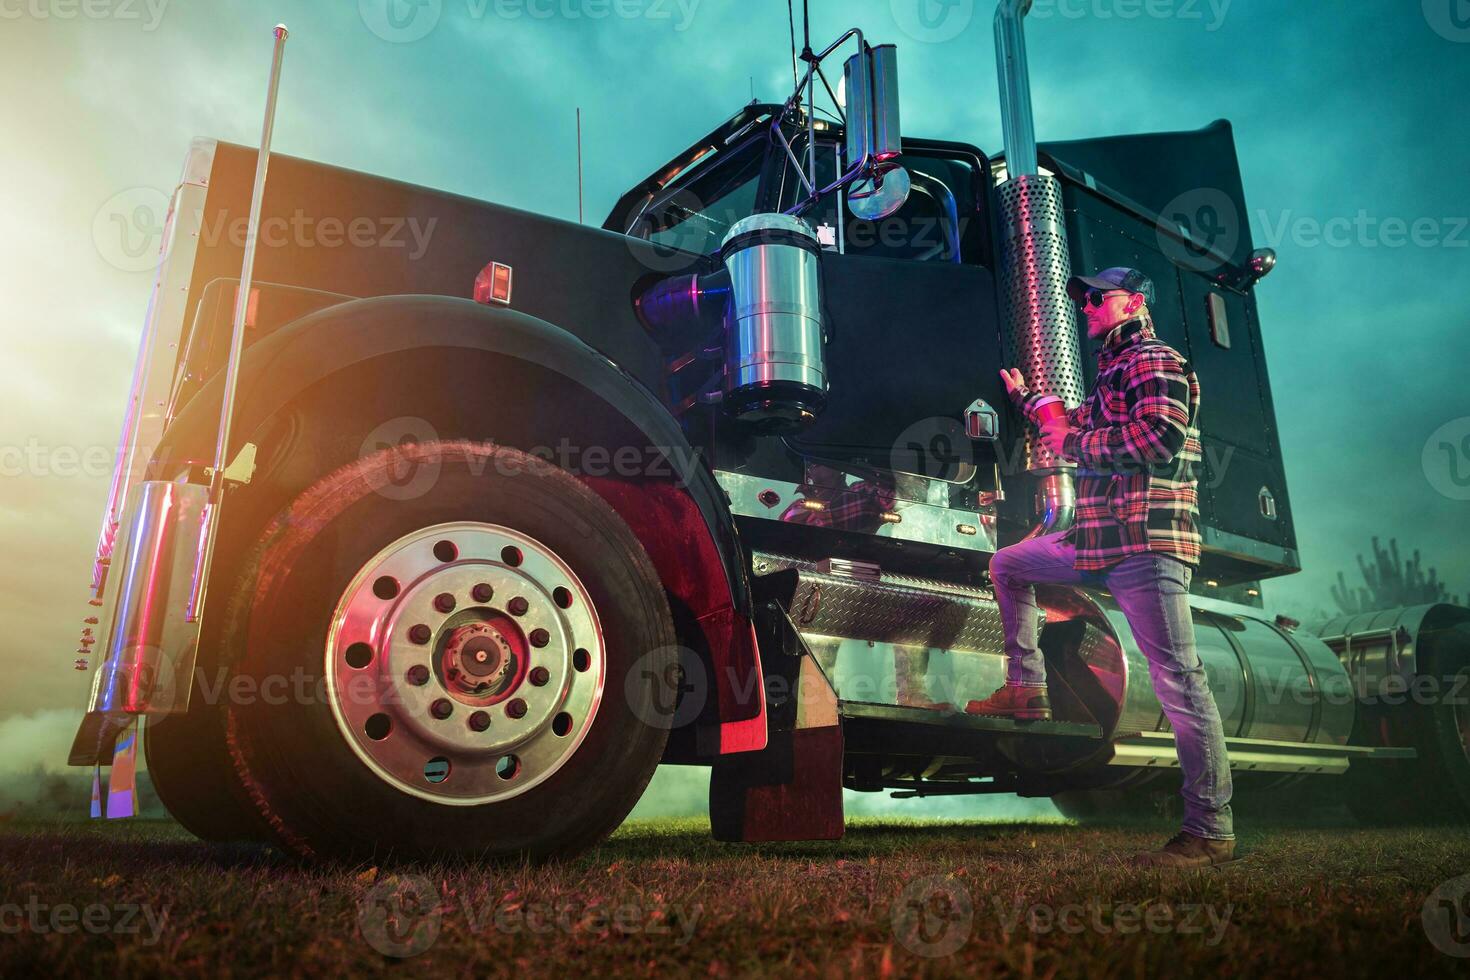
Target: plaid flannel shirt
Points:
x,y
1135,439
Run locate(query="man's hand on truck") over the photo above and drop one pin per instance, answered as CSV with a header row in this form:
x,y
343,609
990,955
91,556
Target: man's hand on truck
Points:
x,y
1053,432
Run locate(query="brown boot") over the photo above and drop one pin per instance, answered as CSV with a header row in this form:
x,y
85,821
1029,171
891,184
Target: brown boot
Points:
x,y
1185,850
1014,701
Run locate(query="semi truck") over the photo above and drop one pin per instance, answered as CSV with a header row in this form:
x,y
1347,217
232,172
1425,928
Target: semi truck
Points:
x,y
445,549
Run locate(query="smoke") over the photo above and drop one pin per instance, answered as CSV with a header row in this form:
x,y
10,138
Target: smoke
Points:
x,y
36,740
33,751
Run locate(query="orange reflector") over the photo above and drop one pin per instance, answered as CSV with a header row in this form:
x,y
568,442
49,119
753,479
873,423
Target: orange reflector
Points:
x,y
492,285
252,305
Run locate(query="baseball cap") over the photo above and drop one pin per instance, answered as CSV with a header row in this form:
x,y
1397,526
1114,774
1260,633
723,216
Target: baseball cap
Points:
x,y
1118,277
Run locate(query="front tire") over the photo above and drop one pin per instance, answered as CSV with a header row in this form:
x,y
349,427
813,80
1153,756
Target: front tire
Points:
x,y
448,648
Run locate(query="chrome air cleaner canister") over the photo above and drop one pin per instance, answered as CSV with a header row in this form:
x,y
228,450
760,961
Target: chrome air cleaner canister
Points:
x,y
775,366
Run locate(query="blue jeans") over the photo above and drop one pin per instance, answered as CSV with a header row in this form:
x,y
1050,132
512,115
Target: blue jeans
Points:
x,y
1152,590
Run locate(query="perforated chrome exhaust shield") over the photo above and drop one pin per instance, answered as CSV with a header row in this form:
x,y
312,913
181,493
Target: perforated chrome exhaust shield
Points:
x,y
1040,322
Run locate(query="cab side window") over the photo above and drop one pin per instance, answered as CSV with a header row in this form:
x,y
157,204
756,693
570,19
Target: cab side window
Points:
x,y
697,211
938,223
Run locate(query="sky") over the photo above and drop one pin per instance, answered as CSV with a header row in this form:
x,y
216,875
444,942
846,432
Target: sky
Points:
x,y
1349,118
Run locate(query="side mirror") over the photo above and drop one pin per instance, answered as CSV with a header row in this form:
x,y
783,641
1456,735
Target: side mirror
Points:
x,y
875,198
873,132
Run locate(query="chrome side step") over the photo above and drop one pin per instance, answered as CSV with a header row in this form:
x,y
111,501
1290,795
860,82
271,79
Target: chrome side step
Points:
x,y
1156,749
960,721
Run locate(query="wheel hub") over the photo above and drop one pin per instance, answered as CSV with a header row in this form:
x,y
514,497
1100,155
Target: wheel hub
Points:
x,y
481,664
465,663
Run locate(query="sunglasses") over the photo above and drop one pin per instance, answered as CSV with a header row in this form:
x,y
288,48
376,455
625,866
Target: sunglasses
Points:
x,y
1094,298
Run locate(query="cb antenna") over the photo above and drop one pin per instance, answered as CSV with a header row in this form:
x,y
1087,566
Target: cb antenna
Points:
x,y
808,56
580,219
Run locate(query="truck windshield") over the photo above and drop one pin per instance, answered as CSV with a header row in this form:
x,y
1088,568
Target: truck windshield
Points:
x,y
695,212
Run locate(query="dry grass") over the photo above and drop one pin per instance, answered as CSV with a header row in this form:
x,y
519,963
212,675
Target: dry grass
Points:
x,y
660,897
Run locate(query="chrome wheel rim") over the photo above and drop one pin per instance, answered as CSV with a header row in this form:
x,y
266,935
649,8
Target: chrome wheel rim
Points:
x,y
465,663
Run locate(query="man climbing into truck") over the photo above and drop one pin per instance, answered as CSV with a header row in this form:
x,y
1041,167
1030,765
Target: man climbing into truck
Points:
x,y
1135,441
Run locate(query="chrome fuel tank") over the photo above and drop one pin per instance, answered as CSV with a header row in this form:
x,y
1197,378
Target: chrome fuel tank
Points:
x,y
1269,683
932,646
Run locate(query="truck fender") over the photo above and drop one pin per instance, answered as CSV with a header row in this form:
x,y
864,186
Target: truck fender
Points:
x,y
683,521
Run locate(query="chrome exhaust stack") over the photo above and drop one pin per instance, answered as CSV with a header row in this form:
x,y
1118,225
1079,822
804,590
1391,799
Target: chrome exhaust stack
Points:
x,y
1039,320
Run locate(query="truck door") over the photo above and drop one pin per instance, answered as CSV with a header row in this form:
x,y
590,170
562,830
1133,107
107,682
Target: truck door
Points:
x,y
912,312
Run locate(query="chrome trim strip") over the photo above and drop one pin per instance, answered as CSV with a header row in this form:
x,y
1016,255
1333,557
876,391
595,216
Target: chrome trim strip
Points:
x,y
148,661
145,419
1258,552
1156,750
907,520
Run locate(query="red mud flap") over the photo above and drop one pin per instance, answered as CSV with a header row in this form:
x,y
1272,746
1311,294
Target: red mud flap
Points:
x,y
790,790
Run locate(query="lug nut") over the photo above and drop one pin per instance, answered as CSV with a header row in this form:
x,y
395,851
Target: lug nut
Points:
x,y
519,605
419,634
482,592
516,708
444,602
539,638
479,721
418,675
539,676
441,709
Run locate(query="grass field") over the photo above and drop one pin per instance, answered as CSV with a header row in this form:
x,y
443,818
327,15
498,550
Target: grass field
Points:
x,y
974,899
